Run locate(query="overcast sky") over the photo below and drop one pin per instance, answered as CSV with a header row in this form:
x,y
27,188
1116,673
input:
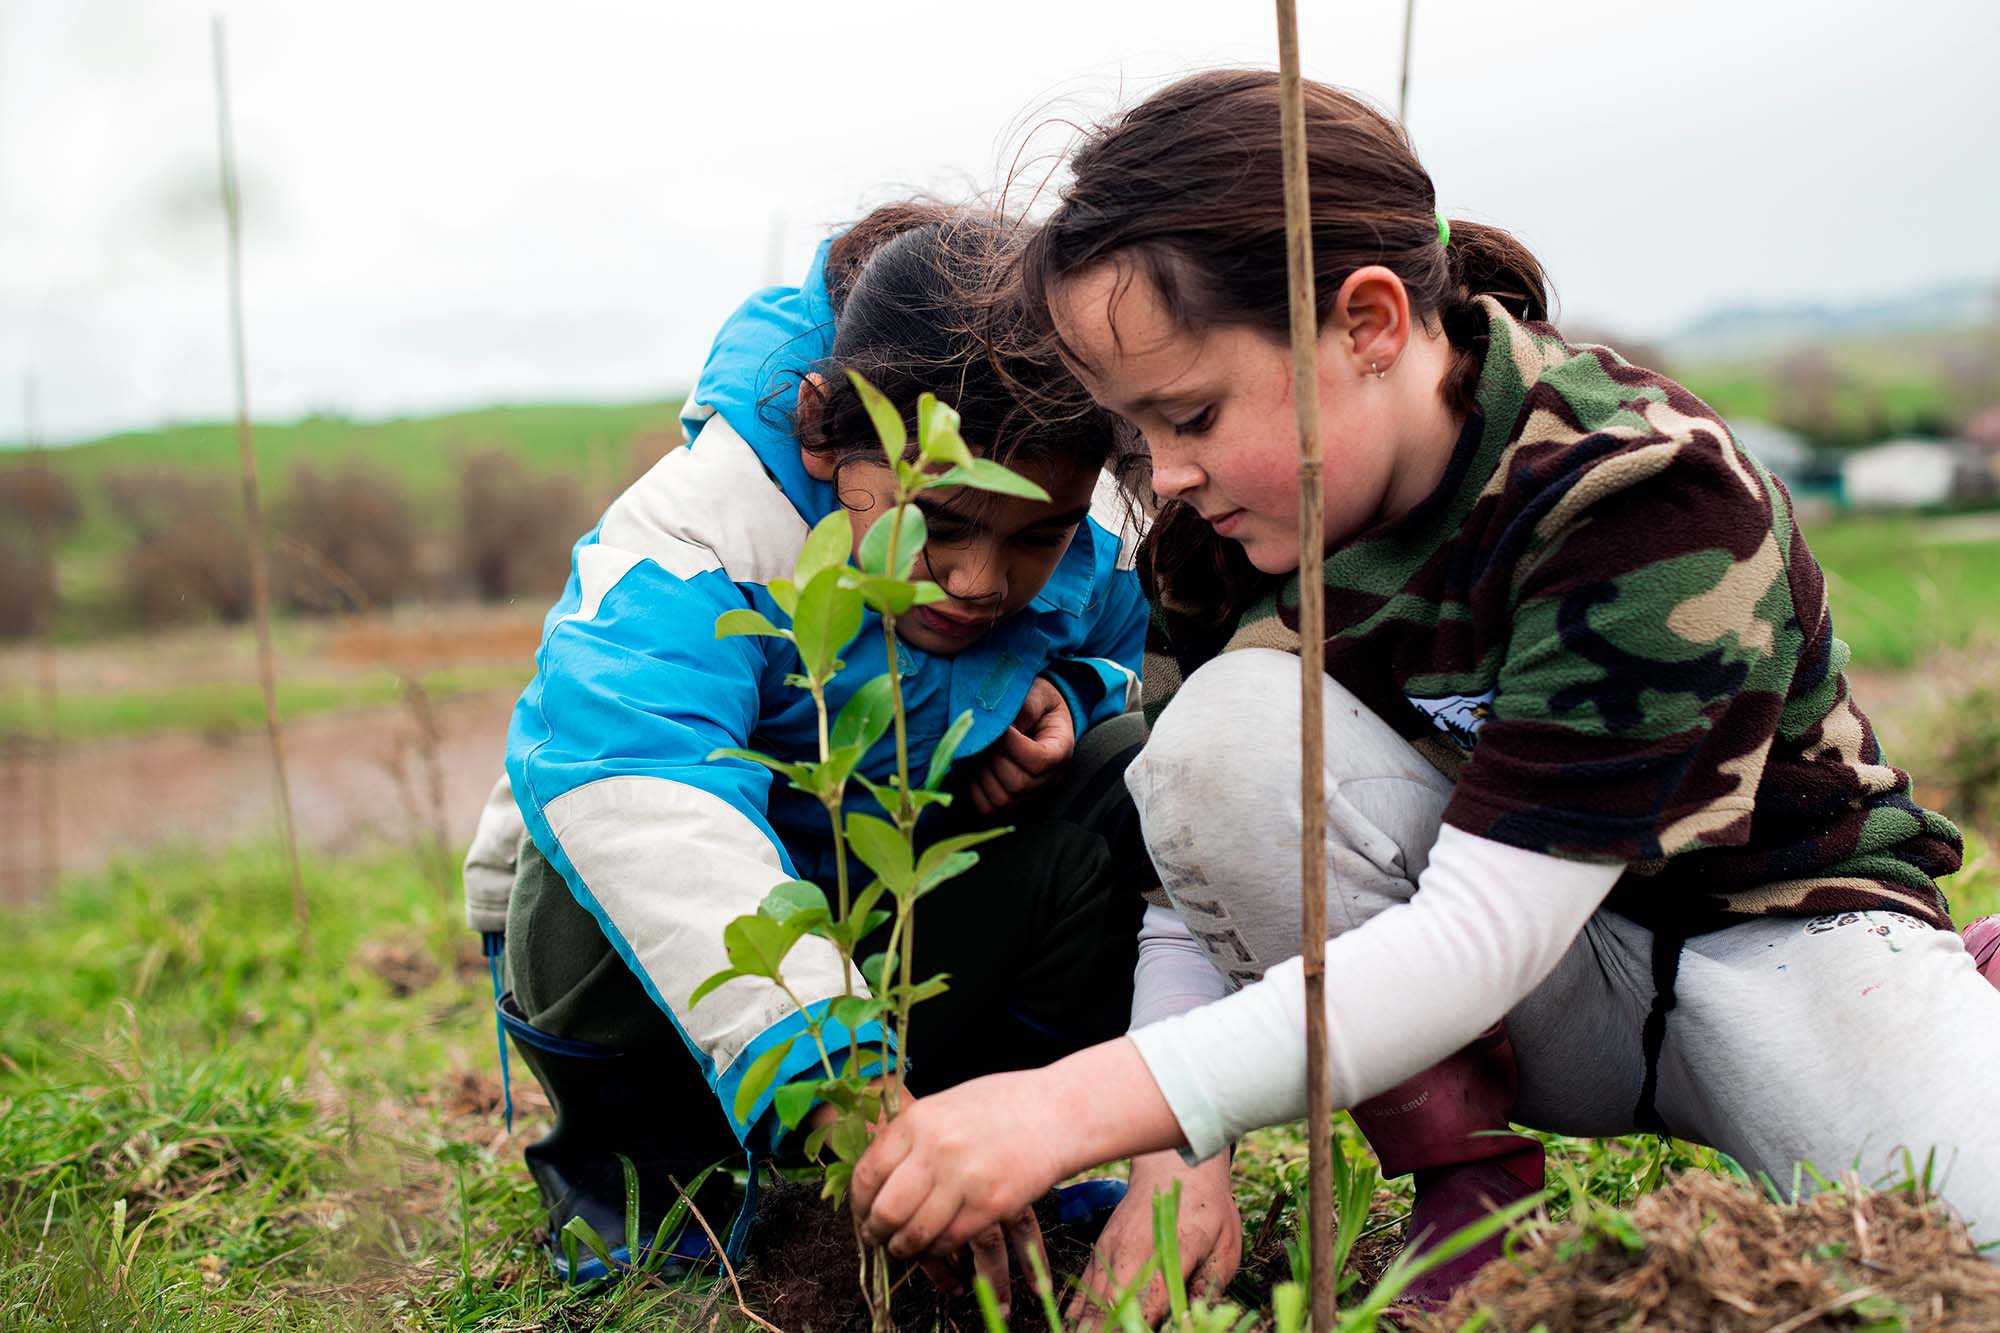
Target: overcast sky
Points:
x,y
454,203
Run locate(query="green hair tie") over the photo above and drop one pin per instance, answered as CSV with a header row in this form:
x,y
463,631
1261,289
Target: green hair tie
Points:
x,y
1444,228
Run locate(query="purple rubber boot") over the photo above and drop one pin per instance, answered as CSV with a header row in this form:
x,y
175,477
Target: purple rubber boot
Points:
x,y
1449,1126
1982,941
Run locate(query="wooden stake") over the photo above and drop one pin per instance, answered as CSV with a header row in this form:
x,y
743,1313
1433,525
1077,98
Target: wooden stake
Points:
x,y
1403,89
1312,667
253,510
50,787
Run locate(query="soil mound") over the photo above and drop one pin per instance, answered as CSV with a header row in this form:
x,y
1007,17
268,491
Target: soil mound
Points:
x,y
1706,1253
802,1271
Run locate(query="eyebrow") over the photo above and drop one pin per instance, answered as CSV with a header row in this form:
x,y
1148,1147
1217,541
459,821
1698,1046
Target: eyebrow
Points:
x,y
939,508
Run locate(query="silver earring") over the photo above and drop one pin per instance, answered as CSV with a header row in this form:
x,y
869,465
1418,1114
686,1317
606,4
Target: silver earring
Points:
x,y
1376,366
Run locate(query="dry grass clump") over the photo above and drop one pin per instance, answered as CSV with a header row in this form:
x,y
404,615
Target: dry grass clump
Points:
x,y
1706,1252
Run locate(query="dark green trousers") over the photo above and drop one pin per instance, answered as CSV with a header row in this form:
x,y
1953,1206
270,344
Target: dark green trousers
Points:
x,y
1039,940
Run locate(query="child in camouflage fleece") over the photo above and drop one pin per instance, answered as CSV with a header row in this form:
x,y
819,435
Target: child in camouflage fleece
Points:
x,y
1611,847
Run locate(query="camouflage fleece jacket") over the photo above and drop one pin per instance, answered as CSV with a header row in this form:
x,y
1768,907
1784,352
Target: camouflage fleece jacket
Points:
x,y
1604,625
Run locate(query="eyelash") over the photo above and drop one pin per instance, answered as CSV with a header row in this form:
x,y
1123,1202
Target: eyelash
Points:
x,y
1198,424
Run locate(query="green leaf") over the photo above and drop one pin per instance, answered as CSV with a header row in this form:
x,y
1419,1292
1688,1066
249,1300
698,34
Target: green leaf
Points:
x,y
800,774
851,1011
950,867
631,1204
835,772
983,474
757,945
938,852
670,1225
793,898
906,524
938,440
726,974
1167,1244
946,748
785,593
793,1101
758,1077
817,1140
882,848
576,1229
866,717
874,970
850,1138
892,597
741,621
989,1305
928,989
888,421
827,547
827,619
833,1185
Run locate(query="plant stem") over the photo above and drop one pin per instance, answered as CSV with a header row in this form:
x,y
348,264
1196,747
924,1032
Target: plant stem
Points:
x,y
832,804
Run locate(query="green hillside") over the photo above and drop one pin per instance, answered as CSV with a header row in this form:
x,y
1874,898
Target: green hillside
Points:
x,y
595,444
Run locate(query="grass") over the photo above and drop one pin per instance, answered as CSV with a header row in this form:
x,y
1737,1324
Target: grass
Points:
x,y
1899,593
180,1149
226,708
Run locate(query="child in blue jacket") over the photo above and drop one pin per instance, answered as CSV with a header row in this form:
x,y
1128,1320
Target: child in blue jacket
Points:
x,y
639,849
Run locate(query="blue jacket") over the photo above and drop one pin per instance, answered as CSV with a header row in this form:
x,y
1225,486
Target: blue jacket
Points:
x,y
607,752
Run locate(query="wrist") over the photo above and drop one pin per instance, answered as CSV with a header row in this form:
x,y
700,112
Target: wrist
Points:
x,y
1102,1104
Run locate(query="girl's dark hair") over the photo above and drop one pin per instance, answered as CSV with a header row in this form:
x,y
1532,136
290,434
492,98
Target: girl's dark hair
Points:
x,y
1188,188
915,310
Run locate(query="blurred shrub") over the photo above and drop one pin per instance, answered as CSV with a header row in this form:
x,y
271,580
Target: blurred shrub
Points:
x,y
1958,752
515,529
359,542
187,555
38,508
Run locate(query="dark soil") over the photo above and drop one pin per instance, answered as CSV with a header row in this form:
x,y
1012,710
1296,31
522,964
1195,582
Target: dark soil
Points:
x,y
1716,1256
803,1271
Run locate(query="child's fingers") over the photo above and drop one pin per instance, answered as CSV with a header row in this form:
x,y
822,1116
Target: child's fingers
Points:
x,y
1012,777
1024,1238
933,1215
989,1260
873,1172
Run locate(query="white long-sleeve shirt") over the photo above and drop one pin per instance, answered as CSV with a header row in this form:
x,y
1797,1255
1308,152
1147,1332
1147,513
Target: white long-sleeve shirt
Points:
x,y
1403,990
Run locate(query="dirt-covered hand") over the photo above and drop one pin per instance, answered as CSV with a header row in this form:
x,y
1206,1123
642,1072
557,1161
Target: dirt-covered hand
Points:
x,y
955,1164
986,1257
1211,1236
1029,753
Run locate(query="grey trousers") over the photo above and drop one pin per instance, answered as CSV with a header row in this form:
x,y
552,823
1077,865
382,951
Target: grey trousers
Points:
x,y
1843,1041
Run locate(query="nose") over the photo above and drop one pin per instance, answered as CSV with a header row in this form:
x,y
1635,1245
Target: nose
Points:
x,y
976,576
1175,473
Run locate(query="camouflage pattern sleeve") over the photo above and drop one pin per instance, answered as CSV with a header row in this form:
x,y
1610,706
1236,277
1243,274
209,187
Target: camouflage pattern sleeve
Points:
x,y
1647,658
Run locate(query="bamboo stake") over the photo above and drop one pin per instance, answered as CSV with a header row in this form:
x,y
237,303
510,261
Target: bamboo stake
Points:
x,y
1312,666
1403,90
260,589
48,793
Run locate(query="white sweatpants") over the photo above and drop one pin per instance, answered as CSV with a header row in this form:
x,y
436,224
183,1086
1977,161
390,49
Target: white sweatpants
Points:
x,y
1843,1041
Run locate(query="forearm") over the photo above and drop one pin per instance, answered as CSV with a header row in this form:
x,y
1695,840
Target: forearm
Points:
x,y
1102,1104
1404,990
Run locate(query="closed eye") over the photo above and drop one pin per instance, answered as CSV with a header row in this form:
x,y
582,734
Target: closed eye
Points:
x,y
1197,424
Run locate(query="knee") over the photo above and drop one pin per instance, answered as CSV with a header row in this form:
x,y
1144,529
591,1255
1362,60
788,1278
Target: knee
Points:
x,y
1230,738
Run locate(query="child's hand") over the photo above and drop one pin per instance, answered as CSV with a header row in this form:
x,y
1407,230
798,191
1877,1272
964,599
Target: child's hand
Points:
x,y
1029,753
1211,1235
961,1160
953,1164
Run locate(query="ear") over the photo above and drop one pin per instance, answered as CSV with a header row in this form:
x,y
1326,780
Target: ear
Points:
x,y
1371,317
812,396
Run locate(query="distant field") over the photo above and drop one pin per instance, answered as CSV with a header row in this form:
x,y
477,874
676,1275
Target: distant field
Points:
x,y
592,443
1903,587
